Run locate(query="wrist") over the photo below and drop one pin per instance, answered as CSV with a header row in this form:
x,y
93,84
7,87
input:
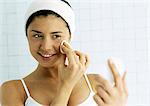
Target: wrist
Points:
x,y
62,96
66,86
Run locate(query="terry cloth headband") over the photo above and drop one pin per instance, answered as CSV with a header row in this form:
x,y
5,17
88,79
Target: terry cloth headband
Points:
x,y
57,6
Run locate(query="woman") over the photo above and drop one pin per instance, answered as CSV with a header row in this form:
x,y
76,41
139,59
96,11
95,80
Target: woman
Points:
x,y
49,26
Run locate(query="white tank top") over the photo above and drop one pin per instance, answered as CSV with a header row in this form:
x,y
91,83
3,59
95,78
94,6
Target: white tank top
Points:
x,y
89,101
31,102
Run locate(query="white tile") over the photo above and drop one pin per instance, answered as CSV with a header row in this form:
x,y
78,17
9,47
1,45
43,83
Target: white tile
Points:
x,y
117,11
140,10
106,10
141,44
129,22
105,28
124,45
140,22
3,73
107,24
141,33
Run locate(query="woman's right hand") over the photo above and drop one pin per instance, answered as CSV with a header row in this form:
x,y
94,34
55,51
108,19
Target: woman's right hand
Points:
x,y
77,64
69,74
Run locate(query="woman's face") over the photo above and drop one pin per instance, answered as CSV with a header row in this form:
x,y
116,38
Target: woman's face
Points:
x,y
45,35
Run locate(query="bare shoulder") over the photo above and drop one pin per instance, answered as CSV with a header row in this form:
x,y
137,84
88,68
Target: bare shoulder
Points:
x,y
12,93
81,91
92,78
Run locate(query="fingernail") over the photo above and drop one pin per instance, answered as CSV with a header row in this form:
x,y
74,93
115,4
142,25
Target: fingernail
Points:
x,y
110,61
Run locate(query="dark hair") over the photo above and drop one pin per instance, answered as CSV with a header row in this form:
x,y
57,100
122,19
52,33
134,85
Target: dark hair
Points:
x,y
45,13
66,2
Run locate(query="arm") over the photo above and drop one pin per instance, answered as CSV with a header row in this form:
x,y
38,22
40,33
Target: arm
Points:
x,y
10,95
69,75
62,97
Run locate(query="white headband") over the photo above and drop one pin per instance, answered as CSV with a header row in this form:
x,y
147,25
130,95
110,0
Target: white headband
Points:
x,y
57,6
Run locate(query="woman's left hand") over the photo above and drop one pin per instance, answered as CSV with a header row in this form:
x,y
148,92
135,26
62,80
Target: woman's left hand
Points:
x,y
108,95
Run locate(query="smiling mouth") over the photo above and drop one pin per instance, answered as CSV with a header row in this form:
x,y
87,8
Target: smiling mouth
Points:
x,y
46,55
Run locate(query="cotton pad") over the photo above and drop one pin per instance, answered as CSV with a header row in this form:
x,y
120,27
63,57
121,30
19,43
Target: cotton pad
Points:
x,y
66,61
62,44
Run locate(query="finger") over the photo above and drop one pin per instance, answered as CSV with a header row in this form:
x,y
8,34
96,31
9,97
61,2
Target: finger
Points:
x,y
124,82
98,100
62,44
81,57
84,59
116,75
62,62
61,66
87,60
69,53
105,84
69,46
76,58
102,93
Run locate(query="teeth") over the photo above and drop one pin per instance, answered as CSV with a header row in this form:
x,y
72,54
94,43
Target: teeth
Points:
x,y
47,55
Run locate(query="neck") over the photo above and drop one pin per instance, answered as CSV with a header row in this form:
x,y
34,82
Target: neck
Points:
x,y
47,72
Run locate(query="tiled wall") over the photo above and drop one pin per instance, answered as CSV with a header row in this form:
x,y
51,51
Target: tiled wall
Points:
x,y
105,28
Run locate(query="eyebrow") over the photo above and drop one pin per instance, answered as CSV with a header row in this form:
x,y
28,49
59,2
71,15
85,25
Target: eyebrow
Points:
x,y
50,33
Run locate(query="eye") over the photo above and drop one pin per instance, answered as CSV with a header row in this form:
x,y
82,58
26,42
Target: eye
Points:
x,y
56,36
37,36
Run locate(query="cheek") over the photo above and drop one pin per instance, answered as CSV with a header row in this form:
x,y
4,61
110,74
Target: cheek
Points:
x,y
57,45
34,46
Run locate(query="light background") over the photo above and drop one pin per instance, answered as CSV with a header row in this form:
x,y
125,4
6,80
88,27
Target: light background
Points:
x,y
105,28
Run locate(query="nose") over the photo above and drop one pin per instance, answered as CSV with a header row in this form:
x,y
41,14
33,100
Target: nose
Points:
x,y
46,44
